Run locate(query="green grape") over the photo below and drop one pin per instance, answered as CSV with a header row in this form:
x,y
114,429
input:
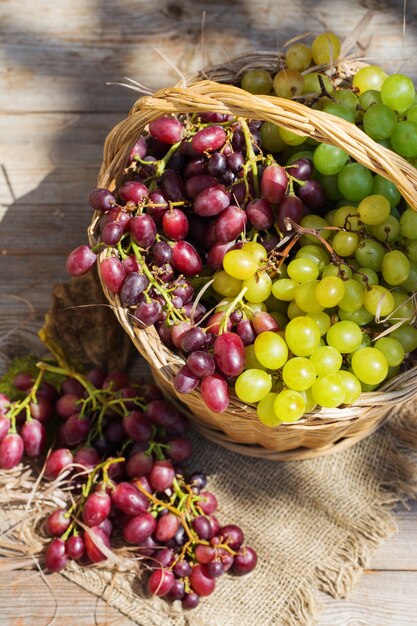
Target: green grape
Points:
x,y
365,343
345,336
294,310
329,291
275,305
346,217
256,250
316,253
290,138
342,271
355,182
378,301
280,318
384,187
369,77
284,289
310,403
326,360
398,92
251,362
374,210
253,385
326,48
411,283
412,250
404,306
289,405
300,154
393,371
370,253
288,83
312,83
351,385
322,320
369,98
302,335
404,139
266,410
321,103
395,267
330,186
412,114
239,264
408,224
298,373
270,137
347,98
379,121
226,285
328,390
392,349
370,366
353,299
258,287
366,277
298,57
305,297
301,270
257,82
252,308
388,231
367,388
339,110
271,350
329,160
329,217
407,336
345,243
315,222
361,317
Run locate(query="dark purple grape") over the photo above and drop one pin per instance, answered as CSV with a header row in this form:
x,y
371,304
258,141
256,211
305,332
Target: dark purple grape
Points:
x,y
162,557
201,363
157,206
143,229
172,185
137,426
75,430
162,414
161,582
131,264
245,561
165,333
238,140
198,183
166,273
96,508
101,199
41,410
182,288
114,432
185,381
214,569
227,179
23,381
133,191
312,194
58,461
179,449
74,547
209,503
57,523
116,380
217,253
139,528
88,457
55,556
198,480
161,252
73,387
161,475
195,167
182,569
290,207
232,535
239,193
208,139
211,201
67,405
204,554
34,438
138,151
202,527
133,286
190,601
217,164
260,214
193,339
80,261
11,451
147,313
166,129
139,464
235,162
111,233
176,592
302,169
176,162
112,273
212,117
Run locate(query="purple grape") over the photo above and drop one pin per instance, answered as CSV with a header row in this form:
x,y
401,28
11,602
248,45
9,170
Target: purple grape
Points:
x,y
139,528
138,151
34,438
200,582
176,592
112,273
143,229
274,183
290,207
182,569
161,582
139,464
185,381
161,252
23,381
101,199
4,426
74,547
190,601
55,556
172,185
96,508
11,451
230,224
133,191
112,233
137,426
75,430
202,527
80,261
232,535
260,214
133,286
211,201
217,164
198,183
166,129
201,363
147,313
179,449
312,194
166,527
209,139
186,259
88,457
161,475
214,569
245,561
93,551
58,461
198,480
235,162
57,523
42,409
302,169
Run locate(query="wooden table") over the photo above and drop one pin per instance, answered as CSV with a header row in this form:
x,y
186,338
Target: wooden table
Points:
x,y
56,108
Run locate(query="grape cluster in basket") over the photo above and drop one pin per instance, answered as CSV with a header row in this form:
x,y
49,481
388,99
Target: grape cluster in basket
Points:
x,y
120,454
271,264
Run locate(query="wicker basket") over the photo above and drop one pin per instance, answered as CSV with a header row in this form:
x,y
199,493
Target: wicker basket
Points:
x,y
239,429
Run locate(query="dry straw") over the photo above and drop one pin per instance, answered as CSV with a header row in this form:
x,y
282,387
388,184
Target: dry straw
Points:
x,y
239,429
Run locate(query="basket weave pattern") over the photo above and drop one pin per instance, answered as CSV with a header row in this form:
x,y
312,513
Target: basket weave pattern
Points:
x,y
238,428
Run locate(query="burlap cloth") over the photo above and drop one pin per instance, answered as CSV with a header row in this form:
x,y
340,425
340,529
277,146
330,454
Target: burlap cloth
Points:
x,y
315,525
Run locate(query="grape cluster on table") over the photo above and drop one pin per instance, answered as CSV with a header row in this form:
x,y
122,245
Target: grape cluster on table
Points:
x,y
273,265
120,452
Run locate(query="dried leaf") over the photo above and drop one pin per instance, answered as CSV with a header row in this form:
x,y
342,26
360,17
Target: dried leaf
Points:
x,y
80,328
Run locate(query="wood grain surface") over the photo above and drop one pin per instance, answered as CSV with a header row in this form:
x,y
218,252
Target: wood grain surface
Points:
x,y
56,108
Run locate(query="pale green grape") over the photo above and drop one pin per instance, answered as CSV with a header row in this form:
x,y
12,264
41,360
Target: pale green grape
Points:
x,y
322,320
345,243
325,48
312,83
258,287
253,385
299,373
374,209
294,310
309,400
407,336
225,284
284,289
316,253
257,82
346,217
351,385
271,350
251,362
342,271
256,250
392,349
388,231
408,224
366,277
355,182
378,301
302,335
328,159
370,253
326,360
361,317
385,187
370,366
395,267
353,299
404,306
266,410
298,57
370,77
239,264
411,283
379,121
317,223
328,390
329,291
288,83
305,297
345,336
302,270
398,92
289,405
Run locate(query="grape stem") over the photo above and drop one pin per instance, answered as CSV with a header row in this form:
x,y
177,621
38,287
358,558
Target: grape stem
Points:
x,y
250,154
230,309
